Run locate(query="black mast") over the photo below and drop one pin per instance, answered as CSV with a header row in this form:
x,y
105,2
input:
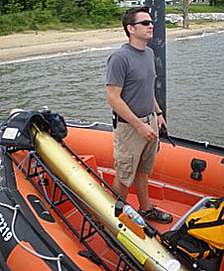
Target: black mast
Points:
x,y
158,44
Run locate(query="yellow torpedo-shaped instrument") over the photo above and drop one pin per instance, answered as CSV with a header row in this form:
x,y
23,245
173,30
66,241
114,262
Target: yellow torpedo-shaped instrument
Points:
x,y
147,250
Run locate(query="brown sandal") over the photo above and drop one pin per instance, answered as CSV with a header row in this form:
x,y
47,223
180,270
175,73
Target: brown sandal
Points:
x,y
157,215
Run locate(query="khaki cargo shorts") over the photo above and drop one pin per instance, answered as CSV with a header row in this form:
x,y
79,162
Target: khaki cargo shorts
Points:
x,y
133,153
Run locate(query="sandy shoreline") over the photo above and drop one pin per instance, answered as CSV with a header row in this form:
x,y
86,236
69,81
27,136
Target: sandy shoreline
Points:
x,y
29,44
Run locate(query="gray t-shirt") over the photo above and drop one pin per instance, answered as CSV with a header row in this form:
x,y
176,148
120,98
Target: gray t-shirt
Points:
x,y
134,71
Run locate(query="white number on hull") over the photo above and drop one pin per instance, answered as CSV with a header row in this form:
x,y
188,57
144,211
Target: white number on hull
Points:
x,y
4,229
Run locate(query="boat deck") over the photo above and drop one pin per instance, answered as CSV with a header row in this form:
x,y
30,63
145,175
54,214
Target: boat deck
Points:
x,y
174,199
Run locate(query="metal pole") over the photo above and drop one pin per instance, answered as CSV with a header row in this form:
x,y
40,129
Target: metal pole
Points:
x,y
158,44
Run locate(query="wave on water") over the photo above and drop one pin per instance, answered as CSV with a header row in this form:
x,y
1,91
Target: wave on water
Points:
x,y
199,36
57,55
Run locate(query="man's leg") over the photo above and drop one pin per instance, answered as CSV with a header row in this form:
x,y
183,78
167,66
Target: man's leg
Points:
x,y
141,187
147,210
120,188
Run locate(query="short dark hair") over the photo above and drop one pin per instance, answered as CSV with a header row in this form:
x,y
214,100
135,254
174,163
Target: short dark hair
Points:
x,y
129,17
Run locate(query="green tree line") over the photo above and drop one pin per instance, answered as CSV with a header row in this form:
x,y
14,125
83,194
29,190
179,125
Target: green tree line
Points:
x,y
21,15
25,15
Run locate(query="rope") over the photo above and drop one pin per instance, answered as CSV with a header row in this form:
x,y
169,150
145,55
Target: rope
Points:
x,y
21,164
15,209
83,125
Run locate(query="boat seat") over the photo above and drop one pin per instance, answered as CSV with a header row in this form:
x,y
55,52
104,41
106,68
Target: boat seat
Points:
x,y
198,206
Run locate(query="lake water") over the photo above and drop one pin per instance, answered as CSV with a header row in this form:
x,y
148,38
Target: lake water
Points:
x,y
74,85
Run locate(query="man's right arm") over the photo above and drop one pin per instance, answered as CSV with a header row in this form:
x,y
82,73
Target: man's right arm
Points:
x,y
120,107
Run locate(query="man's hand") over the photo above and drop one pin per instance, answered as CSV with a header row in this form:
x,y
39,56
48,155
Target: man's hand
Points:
x,y
146,131
161,121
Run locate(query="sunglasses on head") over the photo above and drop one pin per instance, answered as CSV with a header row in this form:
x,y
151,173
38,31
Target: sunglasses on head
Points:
x,y
145,22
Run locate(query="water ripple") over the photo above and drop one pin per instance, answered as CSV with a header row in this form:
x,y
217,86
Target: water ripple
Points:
x,y
73,84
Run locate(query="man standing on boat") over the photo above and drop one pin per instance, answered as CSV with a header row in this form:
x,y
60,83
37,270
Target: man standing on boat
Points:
x,y
137,116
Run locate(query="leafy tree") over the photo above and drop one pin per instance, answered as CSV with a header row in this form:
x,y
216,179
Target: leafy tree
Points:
x,y
216,2
106,9
40,16
13,7
56,6
83,4
3,6
185,10
26,4
71,14
186,4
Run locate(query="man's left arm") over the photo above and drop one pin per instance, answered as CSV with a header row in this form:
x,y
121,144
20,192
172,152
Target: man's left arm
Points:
x,y
159,114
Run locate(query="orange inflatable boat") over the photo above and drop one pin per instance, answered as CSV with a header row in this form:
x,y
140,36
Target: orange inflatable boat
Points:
x,y
59,212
